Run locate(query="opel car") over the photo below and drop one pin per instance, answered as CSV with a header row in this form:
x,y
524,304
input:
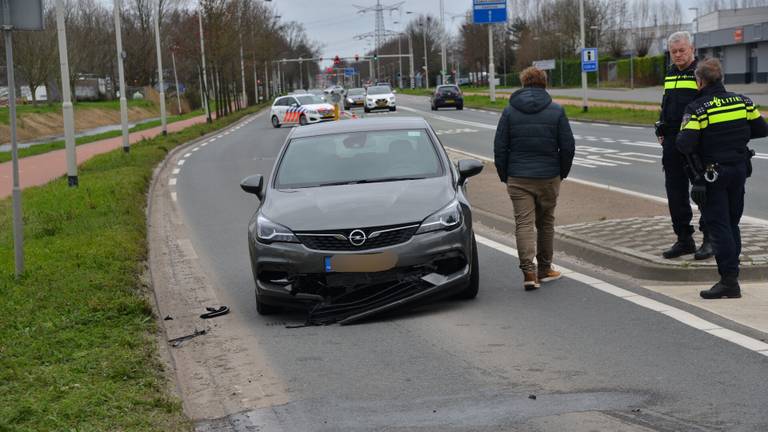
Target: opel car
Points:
x,y
355,97
447,96
300,110
371,210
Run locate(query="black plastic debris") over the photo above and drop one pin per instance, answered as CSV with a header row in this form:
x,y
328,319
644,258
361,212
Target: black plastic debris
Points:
x,y
214,312
176,342
532,396
168,318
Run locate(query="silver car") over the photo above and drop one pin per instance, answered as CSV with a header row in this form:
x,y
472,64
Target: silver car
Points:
x,y
369,213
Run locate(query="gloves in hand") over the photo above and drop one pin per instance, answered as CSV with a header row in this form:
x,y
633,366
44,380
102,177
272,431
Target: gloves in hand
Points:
x,y
699,194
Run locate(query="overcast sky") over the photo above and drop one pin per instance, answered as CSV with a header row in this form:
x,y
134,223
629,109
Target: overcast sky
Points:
x,y
334,23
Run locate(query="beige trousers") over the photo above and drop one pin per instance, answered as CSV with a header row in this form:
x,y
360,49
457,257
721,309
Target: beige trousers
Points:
x,y
534,201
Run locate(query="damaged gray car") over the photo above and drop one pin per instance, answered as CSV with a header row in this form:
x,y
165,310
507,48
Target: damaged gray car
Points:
x,y
360,217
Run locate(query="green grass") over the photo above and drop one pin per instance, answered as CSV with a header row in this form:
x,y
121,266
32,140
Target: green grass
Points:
x,y
45,108
601,114
77,333
58,145
428,92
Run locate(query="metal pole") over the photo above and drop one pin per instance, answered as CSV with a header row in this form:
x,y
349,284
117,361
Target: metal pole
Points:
x,y
370,69
562,64
66,106
163,120
301,75
631,70
426,60
443,54
242,71
410,61
255,82
18,222
584,105
597,46
491,66
176,81
121,77
205,76
400,59
266,82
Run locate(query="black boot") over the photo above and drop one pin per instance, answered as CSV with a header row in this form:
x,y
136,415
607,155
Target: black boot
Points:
x,y
728,287
705,251
682,246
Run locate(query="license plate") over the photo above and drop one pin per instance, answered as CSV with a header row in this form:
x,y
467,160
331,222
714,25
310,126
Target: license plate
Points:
x,y
449,101
360,263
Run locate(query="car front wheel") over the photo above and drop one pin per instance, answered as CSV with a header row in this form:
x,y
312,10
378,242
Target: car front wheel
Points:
x,y
275,122
459,107
303,120
473,286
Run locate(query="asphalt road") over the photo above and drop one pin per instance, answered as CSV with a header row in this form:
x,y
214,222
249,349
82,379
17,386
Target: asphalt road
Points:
x,y
589,358
628,157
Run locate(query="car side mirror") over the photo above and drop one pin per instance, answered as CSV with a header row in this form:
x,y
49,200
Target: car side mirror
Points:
x,y
253,184
294,104
468,168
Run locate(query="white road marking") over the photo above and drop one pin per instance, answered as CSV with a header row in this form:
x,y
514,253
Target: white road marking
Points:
x,y
599,125
621,156
172,181
212,140
176,171
679,315
181,162
575,122
187,155
196,149
631,127
174,197
203,144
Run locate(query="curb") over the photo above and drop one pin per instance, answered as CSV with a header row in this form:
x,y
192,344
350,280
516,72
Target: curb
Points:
x,y
622,263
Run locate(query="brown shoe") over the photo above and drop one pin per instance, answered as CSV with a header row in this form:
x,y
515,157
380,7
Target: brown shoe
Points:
x,y
549,275
530,281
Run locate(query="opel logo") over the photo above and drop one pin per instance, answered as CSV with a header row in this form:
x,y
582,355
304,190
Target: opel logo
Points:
x,y
357,237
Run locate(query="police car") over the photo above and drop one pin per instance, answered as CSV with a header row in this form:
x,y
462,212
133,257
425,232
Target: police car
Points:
x,y
300,109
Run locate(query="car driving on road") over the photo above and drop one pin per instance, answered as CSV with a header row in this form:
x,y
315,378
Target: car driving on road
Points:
x,y
300,109
447,96
371,209
379,97
355,97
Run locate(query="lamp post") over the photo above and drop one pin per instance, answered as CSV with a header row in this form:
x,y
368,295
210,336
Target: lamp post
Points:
x,y
163,120
584,106
176,79
597,46
562,65
204,83
66,106
426,60
442,43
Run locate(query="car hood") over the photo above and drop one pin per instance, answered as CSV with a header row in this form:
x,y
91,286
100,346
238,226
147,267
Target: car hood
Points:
x,y
320,106
357,206
382,96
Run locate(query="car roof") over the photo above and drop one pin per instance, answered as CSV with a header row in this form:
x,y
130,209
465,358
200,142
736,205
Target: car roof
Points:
x,y
360,125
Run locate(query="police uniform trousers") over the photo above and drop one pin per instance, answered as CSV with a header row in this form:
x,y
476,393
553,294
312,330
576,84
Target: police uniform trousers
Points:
x,y
723,209
678,189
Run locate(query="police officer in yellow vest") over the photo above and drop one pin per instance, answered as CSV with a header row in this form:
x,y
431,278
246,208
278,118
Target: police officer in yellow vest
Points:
x,y
716,128
679,90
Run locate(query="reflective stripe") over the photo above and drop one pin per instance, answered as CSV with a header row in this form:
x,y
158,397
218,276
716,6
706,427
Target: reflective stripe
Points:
x,y
724,108
753,114
687,84
692,125
729,116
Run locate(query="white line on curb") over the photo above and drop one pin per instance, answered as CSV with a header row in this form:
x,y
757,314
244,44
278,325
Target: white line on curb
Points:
x,y
679,315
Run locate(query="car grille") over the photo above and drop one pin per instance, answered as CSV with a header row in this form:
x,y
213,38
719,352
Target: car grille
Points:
x,y
376,237
381,101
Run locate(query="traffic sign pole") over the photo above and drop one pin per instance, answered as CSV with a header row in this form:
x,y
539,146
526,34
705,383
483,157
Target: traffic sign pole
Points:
x,y
584,106
490,12
491,67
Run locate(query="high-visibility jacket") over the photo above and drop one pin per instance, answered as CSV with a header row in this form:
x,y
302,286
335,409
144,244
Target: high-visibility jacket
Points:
x,y
718,124
679,90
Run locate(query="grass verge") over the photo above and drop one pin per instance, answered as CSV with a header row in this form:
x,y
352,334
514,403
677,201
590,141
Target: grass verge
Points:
x,y
58,145
77,333
45,108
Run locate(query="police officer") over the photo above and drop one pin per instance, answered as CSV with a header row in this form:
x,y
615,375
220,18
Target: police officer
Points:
x,y
679,90
716,128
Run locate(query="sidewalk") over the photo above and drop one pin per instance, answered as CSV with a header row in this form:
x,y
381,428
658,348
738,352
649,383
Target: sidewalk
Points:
x,y
41,169
627,234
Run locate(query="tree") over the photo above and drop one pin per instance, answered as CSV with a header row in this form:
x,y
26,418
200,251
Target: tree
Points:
x,y
35,51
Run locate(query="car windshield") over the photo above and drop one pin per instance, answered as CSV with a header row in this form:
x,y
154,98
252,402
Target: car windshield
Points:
x,y
448,90
356,92
358,157
309,99
374,90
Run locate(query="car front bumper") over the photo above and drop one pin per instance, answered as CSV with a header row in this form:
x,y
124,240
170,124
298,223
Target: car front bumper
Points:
x,y
292,275
380,104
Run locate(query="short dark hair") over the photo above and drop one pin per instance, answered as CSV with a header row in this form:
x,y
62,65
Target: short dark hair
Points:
x,y
533,77
709,71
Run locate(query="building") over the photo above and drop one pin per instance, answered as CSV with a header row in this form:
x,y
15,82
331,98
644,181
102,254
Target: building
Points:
x,y
739,38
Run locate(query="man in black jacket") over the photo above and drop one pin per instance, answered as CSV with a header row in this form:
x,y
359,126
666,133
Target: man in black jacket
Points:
x,y
533,152
716,128
679,90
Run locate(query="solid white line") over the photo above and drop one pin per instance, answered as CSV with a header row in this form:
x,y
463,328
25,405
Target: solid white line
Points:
x,y
172,181
679,315
181,162
631,127
599,125
176,171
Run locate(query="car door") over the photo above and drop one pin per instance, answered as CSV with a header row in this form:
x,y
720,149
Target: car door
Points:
x,y
292,111
279,108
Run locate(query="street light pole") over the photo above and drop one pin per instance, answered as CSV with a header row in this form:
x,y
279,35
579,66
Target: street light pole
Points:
x,y
163,120
491,66
18,222
176,80
400,60
410,61
205,77
121,77
66,106
584,105
426,60
597,46
442,43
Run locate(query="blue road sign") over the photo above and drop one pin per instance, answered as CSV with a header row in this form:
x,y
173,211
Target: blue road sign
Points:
x,y
589,60
348,72
489,11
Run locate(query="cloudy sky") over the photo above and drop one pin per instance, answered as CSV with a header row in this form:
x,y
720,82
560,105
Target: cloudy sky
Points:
x,y
334,23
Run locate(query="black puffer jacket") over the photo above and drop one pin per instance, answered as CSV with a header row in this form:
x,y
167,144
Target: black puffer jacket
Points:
x,y
534,138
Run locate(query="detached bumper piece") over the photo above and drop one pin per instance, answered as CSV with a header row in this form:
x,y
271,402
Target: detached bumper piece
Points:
x,y
364,303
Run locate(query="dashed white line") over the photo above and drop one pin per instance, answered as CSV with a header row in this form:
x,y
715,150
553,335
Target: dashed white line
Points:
x,y
181,162
174,197
176,171
648,303
172,181
196,149
187,155
204,144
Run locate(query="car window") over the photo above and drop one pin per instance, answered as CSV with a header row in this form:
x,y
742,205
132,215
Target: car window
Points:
x,y
358,157
280,101
448,90
309,99
375,90
355,92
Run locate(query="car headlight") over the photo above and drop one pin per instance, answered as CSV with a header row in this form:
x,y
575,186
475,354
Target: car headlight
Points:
x,y
350,100
370,99
447,218
392,98
268,231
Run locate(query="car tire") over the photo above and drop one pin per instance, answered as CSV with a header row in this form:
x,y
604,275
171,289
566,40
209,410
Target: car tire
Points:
x,y
266,309
366,109
472,288
434,108
303,120
275,122
459,107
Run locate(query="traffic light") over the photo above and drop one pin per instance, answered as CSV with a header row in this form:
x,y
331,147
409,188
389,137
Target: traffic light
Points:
x,y
357,58
375,57
336,61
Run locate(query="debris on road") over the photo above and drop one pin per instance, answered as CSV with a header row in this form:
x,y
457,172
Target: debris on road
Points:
x,y
176,342
214,312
